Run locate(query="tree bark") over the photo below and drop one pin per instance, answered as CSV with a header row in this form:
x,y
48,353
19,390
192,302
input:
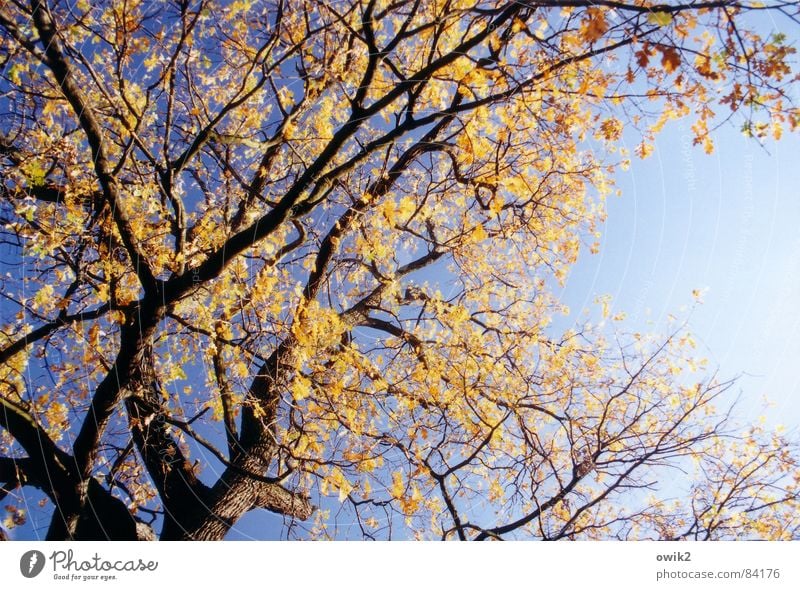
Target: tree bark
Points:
x,y
235,494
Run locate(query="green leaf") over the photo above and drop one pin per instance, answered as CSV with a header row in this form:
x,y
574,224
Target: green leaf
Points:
x,y
14,74
34,172
662,19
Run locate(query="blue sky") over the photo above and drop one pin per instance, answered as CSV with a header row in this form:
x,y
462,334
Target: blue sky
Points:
x,y
726,223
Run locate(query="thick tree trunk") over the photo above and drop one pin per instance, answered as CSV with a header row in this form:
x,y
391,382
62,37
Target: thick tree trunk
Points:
x,y
233,497
103,517
235,494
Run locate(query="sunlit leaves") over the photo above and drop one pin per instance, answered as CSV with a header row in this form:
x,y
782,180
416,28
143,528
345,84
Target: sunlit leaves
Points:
x,y
427,174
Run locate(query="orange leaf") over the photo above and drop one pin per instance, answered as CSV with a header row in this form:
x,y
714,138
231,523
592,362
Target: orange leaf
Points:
x,y
595,26
670,58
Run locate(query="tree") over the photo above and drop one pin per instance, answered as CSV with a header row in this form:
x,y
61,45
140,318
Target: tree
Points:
x,y
299,256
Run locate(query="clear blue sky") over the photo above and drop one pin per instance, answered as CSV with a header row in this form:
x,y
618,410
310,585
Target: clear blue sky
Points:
x,y
728,223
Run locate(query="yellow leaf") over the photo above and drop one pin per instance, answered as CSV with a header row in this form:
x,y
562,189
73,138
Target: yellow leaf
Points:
x,y
398,489
389,211
495,490
300,388
496,206
338,480
406,207
479,234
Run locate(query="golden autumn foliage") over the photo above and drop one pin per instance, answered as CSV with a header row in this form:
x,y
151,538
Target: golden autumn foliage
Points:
x,y
301,256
